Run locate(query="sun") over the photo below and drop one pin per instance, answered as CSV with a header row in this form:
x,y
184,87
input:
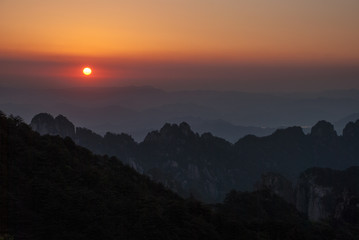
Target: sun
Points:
x,y
87,71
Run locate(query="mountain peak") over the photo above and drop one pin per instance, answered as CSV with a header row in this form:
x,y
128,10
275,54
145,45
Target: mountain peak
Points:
x,y
351,130
289,132
183,129
45,123
171,132
323,129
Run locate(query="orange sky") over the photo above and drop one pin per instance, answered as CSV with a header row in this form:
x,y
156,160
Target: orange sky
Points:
x,y
254,45
320,30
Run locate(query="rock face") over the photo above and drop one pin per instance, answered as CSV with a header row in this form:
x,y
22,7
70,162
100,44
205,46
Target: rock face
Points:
x,y
45,123
323,193
277,184
320,193
64,127
310,199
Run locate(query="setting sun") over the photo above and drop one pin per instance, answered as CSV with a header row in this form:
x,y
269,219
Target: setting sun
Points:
x,y
87,71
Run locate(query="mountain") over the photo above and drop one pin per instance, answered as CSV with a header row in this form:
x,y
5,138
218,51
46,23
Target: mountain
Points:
x,y
138,110
208,167
225,130
53,189
341,123
47,124
319,193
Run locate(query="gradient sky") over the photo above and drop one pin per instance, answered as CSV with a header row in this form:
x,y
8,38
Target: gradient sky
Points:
x,y
181,44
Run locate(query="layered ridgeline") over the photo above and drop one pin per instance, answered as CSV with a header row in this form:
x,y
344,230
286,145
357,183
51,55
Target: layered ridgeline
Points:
x,y
50,188
207,166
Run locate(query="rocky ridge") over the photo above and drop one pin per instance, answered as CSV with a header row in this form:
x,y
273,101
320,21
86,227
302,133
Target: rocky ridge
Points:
x,y
207,167
45,123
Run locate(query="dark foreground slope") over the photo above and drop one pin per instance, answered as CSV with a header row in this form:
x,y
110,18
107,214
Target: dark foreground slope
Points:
x,y
54,189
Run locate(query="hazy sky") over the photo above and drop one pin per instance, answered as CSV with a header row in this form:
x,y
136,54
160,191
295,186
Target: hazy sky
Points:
x,y
301,44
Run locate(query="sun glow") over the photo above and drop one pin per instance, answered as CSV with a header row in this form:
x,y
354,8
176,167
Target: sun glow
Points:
x,y
87,71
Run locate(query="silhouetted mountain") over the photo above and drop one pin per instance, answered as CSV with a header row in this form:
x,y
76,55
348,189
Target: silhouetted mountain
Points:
x,y
323,130
208,167
138,110
196,162
226,130
45,123
51,188
340,124
351,131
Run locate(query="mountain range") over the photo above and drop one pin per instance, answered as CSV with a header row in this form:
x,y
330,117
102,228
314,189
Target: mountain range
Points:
x,y
207,166
138,110
51,188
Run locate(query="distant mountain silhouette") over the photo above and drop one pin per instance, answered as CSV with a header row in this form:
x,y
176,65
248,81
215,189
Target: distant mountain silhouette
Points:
x,y
341,123
138,110
51,188
207,167
226,130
